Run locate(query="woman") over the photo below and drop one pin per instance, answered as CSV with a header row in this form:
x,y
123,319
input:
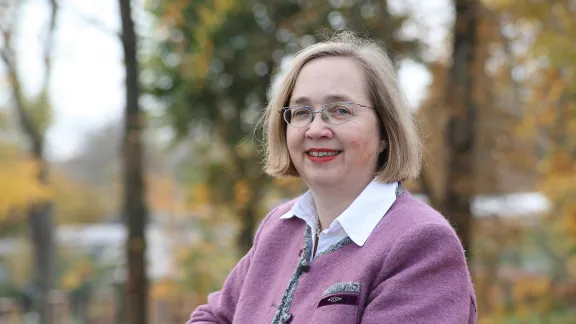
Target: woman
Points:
x,y
357,247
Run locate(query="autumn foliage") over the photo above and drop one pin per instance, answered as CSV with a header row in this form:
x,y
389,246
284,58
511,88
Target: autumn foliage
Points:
x,y
206,193
19,183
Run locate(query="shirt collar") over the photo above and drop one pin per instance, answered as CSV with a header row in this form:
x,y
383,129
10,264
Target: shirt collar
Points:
x,y
360,218
304,208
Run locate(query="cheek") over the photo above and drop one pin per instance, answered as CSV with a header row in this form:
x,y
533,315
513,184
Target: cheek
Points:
x,y
364,150
292,140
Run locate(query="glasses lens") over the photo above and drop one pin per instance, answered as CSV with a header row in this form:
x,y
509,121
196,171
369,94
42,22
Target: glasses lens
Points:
x,y
338,112
297,117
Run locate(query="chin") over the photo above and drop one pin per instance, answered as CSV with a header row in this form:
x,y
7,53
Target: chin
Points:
x,y
323,179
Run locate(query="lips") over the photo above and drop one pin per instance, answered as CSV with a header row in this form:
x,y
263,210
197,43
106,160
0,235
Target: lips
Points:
x,y
322,154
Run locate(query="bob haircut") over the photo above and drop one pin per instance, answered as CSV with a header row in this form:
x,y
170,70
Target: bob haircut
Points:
x,y
401,160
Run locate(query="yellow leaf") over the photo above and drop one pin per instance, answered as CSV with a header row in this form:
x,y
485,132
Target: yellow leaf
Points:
x,y
20,186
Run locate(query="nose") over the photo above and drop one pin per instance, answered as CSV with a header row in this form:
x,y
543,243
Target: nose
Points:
x,y
319,128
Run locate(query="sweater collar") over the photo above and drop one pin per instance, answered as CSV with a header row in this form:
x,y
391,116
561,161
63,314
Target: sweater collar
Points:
x,y
360,218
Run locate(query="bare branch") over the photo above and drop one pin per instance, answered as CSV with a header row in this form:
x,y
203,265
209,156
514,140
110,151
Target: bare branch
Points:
x,y
94,23
9,60
507,46
6,34
48,44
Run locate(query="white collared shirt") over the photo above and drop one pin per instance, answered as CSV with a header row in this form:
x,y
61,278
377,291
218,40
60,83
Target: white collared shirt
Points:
x,y
356,222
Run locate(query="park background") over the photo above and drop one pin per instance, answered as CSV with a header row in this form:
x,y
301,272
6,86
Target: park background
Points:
x,y
130,179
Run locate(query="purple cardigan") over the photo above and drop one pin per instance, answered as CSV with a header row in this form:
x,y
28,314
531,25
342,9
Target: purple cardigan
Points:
x,y
410,270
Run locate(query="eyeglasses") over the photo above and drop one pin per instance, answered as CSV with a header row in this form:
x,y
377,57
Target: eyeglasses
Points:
x,y
335,113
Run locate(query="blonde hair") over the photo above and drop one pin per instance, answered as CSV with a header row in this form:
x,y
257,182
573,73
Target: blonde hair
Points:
x,y
402,158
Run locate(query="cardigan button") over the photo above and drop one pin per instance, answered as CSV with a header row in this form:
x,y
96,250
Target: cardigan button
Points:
x,y
304,265
286,318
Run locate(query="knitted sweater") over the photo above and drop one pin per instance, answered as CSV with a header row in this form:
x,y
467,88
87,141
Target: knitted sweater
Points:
x,y
410,270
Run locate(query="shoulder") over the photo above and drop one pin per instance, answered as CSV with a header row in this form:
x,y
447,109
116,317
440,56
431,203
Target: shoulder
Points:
x,y
420,237
411,223
410,216
272,221
410,211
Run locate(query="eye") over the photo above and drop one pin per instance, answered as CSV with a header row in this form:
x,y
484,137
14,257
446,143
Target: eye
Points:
x,y
300,113
340,110
343,111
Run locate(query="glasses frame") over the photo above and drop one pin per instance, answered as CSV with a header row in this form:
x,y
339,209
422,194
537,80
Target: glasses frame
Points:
x,y
320,111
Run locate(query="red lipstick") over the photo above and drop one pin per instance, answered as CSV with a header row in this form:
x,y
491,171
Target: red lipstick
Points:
x,y
322,154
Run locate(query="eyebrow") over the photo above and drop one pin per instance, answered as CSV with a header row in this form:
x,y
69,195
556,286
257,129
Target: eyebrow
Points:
x,y
327,99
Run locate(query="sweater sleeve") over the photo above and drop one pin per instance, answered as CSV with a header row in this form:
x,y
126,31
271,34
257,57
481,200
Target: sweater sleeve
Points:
x,y
221,305
425,280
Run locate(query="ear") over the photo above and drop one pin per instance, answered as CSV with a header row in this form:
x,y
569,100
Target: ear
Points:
x,y
383,146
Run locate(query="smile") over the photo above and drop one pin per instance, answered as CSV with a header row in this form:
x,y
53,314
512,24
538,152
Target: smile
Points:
x,y
316,153
322,155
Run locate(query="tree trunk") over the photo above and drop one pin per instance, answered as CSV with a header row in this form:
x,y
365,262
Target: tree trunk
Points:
x,y
40,218
41,225
135,212
460,127
42,238
385,25
42,231
249,213
248,224
433,199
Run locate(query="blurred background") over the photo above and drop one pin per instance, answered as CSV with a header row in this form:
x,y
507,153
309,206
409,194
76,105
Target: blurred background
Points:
x,y
130,179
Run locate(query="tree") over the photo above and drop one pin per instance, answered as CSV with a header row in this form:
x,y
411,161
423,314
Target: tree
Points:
x,y
502,163
94,173
134,208
549,121
33,116
532,65
461,123
451,110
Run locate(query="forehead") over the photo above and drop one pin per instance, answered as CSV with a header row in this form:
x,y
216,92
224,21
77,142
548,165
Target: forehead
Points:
x,y
330,79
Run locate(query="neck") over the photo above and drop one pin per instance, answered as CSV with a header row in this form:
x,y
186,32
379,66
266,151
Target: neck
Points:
x,y
331,201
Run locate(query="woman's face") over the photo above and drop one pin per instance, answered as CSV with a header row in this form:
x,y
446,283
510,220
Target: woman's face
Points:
x,y
353,146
